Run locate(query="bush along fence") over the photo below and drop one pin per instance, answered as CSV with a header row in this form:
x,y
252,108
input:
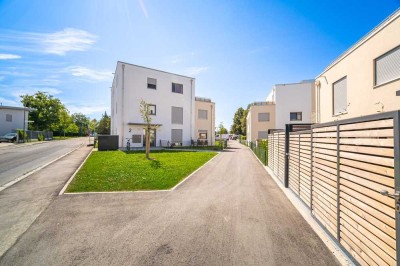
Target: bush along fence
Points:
x,y
32,134
259,148
348,173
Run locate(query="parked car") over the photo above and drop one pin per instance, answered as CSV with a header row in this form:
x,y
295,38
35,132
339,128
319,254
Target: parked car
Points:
x,y
9,137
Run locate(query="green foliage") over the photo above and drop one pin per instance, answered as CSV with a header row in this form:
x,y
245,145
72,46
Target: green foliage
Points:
x,y
129,171
93,125
263,143
104,125
22,135
47,114
222,129
243,137
236,127
72,129
40,137
82,122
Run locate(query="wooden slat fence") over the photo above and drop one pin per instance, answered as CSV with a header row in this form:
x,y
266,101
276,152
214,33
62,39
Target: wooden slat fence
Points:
x,y
338,170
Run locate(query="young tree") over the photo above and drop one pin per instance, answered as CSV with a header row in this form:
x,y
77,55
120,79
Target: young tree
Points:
x,y
82,122
93,124
222,129
65,121
144,109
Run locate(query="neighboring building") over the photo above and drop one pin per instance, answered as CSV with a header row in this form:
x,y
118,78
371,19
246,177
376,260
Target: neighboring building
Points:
x,y
172,99
295,103
365,79
205,120
260,118
13,118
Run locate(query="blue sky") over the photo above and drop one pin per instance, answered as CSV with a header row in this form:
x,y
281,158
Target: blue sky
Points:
x,y
236,50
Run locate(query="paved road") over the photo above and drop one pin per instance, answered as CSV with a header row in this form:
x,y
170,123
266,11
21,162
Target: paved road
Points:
x,y
228,213
18,159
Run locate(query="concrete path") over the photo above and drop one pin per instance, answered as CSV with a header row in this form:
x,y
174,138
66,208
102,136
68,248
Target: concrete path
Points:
x,y
228,213
23,202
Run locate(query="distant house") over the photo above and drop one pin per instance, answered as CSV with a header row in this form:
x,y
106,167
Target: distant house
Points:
x,y
260,118
205,120
295,103
13,118
172,107
365,79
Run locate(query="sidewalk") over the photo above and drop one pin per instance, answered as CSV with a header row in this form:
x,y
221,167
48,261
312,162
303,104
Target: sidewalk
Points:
x,y
23,202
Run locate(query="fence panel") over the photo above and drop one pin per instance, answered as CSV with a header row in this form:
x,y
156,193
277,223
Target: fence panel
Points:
x,y
294,162
281,156
305,166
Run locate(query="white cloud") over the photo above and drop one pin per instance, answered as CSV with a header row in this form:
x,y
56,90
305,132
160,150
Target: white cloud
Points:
x,y
59,42
90,74
193,71
67,40
143,7
9,56
9,102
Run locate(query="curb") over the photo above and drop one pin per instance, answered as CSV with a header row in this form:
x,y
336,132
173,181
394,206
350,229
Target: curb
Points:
x,y
62,192
306,214
16,180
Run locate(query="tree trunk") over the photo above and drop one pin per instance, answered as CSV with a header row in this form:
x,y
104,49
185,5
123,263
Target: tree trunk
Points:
x,y
148,143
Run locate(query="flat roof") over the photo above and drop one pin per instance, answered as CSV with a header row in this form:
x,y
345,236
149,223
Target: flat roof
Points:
x,y
307,81
17,108
366,37
154,69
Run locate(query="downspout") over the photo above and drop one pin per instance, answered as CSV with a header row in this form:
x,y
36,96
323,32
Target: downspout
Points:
x,y
211,131
191,109
122,104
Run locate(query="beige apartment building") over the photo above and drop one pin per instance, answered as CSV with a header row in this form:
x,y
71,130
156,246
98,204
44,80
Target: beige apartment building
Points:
x,y
365,79
260,118
204,121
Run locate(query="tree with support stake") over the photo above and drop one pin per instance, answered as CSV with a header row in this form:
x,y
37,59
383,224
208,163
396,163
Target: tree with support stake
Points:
x,y
144,109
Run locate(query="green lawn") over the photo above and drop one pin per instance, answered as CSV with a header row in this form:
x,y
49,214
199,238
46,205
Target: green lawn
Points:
x,y
129,171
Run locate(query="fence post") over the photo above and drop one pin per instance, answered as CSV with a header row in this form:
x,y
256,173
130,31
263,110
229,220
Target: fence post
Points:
x,y
396,136
286,173
338,181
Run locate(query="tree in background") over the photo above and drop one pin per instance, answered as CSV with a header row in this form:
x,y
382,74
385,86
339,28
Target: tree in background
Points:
x,y
104,125
47,113
236,127
82,122
93,125
64,122
222,129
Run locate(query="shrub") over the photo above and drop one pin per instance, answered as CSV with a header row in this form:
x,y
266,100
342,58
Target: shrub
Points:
x,y
263,143
243,137
22,135
40,137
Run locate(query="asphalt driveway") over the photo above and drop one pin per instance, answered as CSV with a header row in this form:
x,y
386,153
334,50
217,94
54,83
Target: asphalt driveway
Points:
x,y
228,213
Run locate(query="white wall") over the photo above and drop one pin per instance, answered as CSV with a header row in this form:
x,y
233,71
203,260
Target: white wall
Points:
x,y
295,97
17,120
130,86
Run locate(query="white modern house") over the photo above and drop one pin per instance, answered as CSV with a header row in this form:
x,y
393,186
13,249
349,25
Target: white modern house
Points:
x,y
13,118
294,103
172,102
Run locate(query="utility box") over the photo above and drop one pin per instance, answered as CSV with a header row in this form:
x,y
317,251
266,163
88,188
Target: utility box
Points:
x,y
108,142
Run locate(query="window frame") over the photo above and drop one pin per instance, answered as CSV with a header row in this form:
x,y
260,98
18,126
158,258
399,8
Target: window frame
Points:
x,y
297,115
155,109
174,88
258,117
374,68
9,116
198,114
155,86
333,97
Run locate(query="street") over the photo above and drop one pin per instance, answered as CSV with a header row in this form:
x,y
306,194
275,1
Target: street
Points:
x,y
19,159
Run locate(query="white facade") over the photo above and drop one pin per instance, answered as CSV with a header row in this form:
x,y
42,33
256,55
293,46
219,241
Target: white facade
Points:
x,y
295,103
12,118
130,86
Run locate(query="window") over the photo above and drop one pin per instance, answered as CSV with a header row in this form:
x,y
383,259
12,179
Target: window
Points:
x,y
262,134
263,117
387,67
202,134
203,114
152,109
296,116
151,83
176,135
8,118
340,96
177,115
177,88
136,138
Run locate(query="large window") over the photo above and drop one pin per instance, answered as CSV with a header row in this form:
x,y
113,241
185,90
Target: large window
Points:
x,y
387,67
203,114
263,117
151,83
340,96
152,109
296,116
177,88
177,115
136,138
176,135
262,135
